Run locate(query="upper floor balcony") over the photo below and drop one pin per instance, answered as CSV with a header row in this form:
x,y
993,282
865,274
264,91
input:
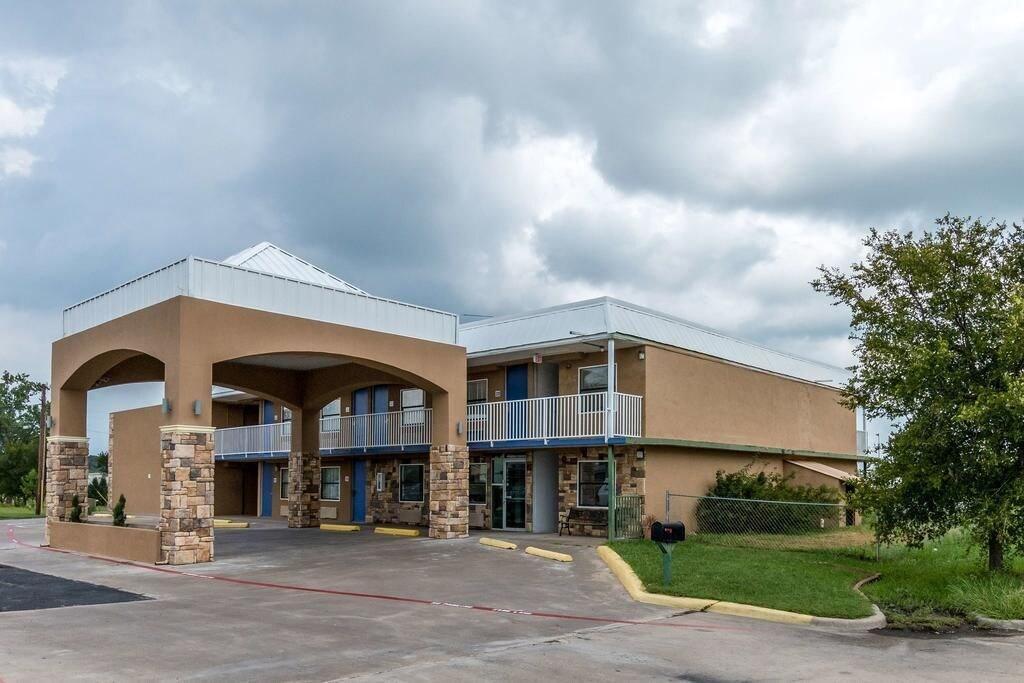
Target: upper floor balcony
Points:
x,y
531,421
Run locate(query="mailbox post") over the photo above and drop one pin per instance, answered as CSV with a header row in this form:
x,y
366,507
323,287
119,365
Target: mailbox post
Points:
x,y
666,536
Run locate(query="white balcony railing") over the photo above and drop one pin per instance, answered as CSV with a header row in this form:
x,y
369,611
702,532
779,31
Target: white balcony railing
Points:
x,y
266,438
553,417
395,429
576,416
410,427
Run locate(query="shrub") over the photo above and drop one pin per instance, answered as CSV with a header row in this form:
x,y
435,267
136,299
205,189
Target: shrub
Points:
x,y
742,513
119,516
76,509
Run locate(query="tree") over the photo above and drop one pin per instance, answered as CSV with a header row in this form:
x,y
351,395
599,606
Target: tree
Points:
x,y
19,432
938,325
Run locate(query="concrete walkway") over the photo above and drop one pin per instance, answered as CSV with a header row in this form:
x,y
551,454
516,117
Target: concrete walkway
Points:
x,y
198,629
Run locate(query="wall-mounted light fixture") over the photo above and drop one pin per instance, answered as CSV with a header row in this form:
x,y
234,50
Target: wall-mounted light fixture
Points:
x,y
640,454
197,408
49,422
641,355
165,406
458,427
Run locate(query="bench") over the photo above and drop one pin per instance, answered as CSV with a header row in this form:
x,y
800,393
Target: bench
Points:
x,y
578,516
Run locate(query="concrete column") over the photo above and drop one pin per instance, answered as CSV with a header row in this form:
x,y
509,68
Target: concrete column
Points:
x,y
304,470
449,491
186,494
67,474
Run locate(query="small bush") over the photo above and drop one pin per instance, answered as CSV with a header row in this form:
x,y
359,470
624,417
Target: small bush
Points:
x,y
76,509
119,515
741,513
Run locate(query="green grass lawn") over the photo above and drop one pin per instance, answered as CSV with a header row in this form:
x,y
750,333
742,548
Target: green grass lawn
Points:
x,y
935,587
16,512
805,582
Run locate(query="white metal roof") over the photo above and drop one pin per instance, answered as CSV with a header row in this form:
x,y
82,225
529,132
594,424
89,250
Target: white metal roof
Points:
x,y
270,258
606,316
260,290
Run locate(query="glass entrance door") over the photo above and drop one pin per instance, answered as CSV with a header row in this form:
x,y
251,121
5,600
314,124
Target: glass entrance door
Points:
x,y
515,494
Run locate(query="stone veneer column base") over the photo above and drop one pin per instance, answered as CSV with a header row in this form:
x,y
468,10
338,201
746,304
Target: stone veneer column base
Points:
x,y
449,491
303,490
186,494
67,474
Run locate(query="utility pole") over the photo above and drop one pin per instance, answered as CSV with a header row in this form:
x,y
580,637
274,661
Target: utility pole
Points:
x,y
41,456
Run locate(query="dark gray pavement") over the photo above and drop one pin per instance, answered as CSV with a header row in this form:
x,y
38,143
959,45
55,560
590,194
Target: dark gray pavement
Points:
x,y
196,628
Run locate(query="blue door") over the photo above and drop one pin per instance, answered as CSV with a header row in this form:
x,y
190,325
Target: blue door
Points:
x,y
359,491
516,389
360,406
380,405
267,494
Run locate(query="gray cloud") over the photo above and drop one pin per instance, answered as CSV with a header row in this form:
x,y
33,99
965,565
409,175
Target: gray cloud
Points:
x,y
491,156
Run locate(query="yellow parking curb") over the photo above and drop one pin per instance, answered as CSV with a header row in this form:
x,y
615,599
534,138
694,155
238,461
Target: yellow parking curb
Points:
x,y
388,531
228,524
635,587
549,554
495,543
339,527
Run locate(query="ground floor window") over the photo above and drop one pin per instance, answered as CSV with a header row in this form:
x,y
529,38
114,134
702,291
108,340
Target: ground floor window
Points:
x,y
284,483
478,483
592,490
410,479
330,483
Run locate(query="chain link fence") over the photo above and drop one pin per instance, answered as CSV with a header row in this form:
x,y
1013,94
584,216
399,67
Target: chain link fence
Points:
x,y
768,524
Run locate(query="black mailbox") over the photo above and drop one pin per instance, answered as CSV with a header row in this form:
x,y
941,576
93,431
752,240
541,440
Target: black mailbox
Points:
x,y
671,532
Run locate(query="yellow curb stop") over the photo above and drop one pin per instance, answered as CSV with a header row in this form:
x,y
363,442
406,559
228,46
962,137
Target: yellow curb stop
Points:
x,y
388,531
228,524
339,527
548,554
495,543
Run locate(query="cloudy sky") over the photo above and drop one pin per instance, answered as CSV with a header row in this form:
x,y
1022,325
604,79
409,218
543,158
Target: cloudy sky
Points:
x,y
701,157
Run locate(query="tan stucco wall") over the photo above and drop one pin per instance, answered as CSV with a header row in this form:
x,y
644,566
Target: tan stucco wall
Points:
x,y
692,472
135,459
123,543
701,399
189,343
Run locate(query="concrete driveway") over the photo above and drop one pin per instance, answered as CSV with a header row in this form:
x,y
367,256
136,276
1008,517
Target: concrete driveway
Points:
x,y
401,609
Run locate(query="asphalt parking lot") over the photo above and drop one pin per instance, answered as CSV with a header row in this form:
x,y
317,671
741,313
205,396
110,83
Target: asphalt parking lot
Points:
x,y
301,604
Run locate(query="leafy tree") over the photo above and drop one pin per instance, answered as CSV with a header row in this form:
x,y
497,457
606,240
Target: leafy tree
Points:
x,y
938,326
98,490
29,484
99,462
19,433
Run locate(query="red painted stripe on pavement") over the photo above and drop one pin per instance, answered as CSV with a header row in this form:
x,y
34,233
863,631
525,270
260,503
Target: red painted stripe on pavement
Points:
x,y
373,596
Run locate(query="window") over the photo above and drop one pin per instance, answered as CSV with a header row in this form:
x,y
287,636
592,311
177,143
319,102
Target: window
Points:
x,y
330,483
476,391
411,480
284,482
477,483
594,384
332,409
412,407
286,414
592,490
594,378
